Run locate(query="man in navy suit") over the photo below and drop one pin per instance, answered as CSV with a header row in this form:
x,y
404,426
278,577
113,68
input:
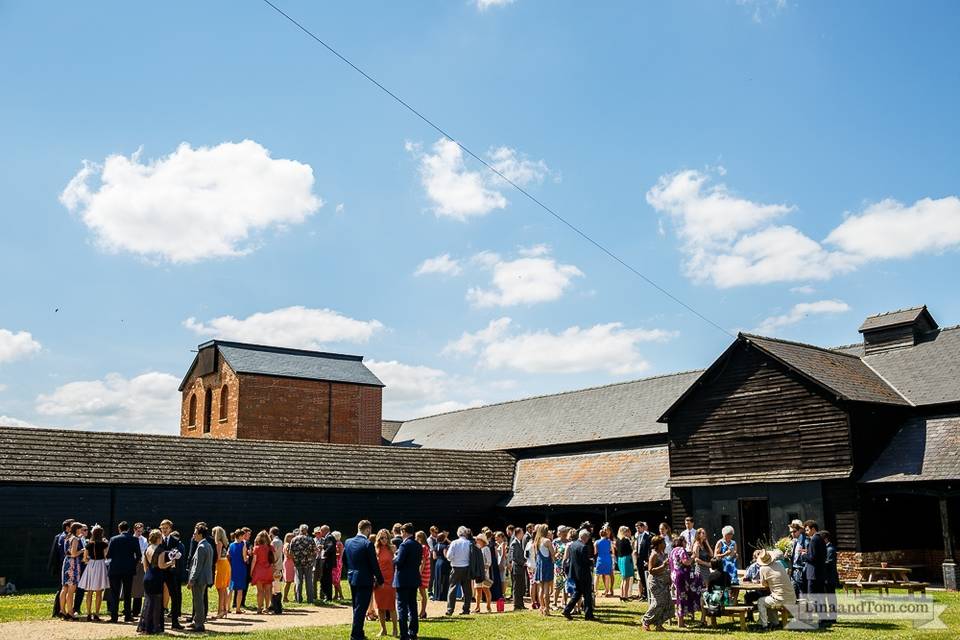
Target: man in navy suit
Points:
x,y
406,580
815,558
363,574
124,554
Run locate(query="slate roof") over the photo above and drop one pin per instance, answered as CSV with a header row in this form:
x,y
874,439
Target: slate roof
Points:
x,y
846,375
612,477
91,458
294,363
896,318
924,449
612,411
388,430
926,373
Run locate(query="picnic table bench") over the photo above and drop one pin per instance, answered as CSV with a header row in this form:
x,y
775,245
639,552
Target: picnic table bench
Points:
x,y
884,586
739,613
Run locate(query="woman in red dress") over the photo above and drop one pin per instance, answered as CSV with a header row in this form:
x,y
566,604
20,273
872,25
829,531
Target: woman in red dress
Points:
x,y
385,595
424,572
261,570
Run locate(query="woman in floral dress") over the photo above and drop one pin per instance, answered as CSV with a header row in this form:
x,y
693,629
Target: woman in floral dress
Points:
x,y
559,576
686,598
660,607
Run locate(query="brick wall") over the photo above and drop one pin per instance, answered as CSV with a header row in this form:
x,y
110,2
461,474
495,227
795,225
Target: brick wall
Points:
x,y
273,408
284,409
197,387
849,562
371,413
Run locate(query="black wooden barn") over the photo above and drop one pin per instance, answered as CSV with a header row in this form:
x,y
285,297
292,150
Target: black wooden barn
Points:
x,y
863,438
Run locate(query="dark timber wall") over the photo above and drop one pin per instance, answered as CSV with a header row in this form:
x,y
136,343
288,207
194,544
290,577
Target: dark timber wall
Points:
x,y
30,515
755,418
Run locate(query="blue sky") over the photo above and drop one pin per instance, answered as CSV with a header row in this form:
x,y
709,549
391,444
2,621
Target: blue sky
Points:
x,y
180,171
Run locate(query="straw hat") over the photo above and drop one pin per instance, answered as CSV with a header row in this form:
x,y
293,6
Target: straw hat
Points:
x,y
765,557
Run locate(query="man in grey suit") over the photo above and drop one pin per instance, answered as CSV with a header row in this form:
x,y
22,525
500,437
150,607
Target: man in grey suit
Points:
x,y
201,576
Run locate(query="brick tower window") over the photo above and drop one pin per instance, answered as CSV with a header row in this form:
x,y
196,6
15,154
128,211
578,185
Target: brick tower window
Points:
x,y
193,410
207,410
224,397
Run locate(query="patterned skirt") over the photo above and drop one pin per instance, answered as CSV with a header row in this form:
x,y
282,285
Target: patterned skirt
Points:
x,y
661,605
71,572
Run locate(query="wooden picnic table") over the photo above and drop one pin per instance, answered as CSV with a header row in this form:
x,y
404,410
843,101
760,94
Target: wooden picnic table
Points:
x,y
875,574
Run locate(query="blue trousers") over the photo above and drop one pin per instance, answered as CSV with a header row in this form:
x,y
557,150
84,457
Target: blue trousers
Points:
x,y
408,611
360,598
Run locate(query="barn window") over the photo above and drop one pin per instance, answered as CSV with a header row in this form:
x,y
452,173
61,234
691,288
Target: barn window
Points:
x,y
207,410
193,410
224,397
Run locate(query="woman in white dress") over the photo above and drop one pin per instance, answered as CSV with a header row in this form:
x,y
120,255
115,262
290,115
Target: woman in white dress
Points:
x,y
94,579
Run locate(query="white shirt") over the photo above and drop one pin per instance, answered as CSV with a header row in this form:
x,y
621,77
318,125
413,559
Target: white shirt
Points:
x,y
143,543
458,554
531,556
689,535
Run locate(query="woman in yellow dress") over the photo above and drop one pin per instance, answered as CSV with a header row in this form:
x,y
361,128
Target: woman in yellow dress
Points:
x,y
222,576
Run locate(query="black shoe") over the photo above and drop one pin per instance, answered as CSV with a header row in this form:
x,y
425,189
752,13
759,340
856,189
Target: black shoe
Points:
x,y
591,618
567,616
176,625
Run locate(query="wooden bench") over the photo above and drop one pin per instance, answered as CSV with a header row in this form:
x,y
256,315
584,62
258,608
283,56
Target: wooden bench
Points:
x,y
737,611
884,586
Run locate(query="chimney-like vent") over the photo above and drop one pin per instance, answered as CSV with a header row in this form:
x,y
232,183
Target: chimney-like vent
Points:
x,y
896,329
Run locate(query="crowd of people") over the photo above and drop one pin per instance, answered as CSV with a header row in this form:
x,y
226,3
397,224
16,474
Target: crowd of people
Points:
x,y
393,573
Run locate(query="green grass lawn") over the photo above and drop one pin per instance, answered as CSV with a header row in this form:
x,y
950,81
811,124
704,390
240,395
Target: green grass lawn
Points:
x,y
617,620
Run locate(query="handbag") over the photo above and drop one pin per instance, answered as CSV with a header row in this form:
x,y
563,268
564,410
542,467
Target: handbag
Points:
x,y
487,583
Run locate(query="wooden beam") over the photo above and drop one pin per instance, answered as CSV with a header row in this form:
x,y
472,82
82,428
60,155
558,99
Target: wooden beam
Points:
x,y
945,526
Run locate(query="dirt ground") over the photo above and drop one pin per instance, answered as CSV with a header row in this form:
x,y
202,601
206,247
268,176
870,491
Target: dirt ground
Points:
x,y
299,617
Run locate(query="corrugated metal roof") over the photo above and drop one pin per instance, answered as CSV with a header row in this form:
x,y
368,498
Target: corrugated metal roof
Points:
x,y
603,478
924,449
295,363
614,411
94,457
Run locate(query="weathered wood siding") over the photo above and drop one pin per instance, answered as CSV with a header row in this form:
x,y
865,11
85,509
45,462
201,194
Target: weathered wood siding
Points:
x,y
842,507
30,515
754,419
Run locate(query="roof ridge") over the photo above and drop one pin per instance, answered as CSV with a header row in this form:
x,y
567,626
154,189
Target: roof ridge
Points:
x,y
803,344
278,349
558,393
229,441
887,313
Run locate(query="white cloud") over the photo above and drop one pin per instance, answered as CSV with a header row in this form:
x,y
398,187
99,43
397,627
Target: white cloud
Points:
x,y
804,289
340,208
603,347
193,204
149,402
14,346
416,390
3,387
459,193
891,230
762,9
800,311
731,241
9,421
297,327
526,280
483,5
468,343
442,264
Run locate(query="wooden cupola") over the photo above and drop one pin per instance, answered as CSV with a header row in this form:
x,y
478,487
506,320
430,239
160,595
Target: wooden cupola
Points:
x,y
896,329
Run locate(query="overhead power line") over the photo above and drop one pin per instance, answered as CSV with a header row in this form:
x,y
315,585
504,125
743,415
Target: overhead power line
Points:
x,y
500,174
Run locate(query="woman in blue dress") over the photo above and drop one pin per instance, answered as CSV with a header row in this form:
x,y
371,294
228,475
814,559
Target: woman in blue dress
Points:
x,y
543,575
726,551
154,563
441,568
604,549
237,553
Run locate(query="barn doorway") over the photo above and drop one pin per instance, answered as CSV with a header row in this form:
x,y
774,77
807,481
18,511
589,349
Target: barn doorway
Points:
x,y
754,527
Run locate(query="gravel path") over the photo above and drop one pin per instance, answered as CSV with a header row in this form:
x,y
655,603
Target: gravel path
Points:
x,y
299,617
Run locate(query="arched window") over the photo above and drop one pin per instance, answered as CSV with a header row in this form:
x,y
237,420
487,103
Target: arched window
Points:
x,y
193,410
207,410
224,398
